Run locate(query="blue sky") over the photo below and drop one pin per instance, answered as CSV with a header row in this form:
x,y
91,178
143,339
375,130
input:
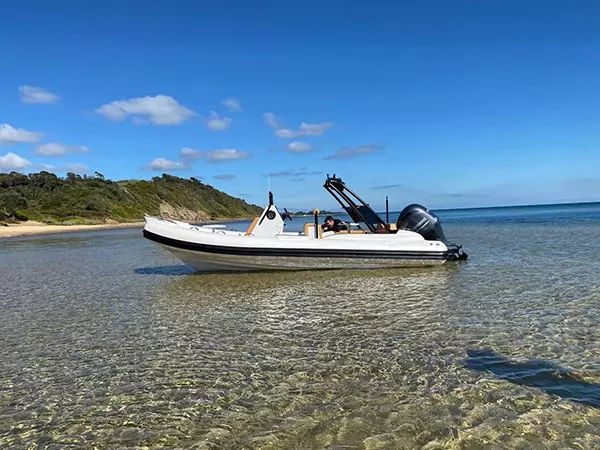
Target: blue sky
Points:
x,y
449,104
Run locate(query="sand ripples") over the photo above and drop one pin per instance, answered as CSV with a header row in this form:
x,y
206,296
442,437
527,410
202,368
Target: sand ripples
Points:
x,y
98,348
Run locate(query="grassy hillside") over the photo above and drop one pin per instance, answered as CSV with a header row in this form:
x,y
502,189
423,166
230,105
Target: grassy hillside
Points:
x,y
47,198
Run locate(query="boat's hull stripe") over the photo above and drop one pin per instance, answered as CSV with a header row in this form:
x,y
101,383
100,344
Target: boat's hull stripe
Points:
x,y
296,252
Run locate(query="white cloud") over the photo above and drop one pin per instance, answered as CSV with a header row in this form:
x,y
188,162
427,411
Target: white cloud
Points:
x,y
232,104
314,129
226,154
56,149
35,94
285,133
164,164
12,161
11,135
217,123
76,168
159,110
271,120
299,147
305,129
219,155
190,153
351,152
302,171
224,176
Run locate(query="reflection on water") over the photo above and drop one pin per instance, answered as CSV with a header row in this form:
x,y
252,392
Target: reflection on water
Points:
x,y
107,341
176,270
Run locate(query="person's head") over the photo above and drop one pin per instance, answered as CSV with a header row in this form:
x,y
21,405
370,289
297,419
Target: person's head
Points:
x,y
329,220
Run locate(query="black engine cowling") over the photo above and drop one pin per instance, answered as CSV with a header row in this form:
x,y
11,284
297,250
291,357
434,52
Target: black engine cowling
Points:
x,y
419,219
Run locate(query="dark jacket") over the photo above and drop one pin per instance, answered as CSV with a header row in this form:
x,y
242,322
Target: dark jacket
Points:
x,y
338,225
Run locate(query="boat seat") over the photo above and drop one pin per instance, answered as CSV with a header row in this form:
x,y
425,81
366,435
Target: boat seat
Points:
x,y
252,226
381,229
309,230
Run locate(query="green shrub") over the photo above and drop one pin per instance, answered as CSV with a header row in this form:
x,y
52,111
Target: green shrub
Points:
x,y
45,197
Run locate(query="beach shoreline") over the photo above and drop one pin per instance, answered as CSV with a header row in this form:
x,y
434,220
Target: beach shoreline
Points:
x,y
31,228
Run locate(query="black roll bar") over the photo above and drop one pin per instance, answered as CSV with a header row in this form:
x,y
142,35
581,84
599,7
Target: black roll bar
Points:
x,y
356,207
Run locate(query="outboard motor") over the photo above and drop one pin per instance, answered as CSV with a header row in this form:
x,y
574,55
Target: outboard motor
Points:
x,y
419,219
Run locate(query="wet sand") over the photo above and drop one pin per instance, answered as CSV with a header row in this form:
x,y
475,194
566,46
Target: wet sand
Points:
x,y
32,228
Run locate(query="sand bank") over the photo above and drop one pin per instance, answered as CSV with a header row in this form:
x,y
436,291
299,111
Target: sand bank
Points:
x,y
31,227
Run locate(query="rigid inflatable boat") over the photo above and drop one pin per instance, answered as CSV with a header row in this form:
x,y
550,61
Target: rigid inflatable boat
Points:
x,y
368,242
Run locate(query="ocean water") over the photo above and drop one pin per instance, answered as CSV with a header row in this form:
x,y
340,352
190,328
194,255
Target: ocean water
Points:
x,y
107,341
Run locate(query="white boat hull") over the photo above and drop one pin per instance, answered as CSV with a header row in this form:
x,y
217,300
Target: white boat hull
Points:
x,y
211,249
214,262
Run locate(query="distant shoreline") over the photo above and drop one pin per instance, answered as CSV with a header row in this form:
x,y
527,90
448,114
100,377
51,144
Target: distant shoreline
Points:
x,y
31,228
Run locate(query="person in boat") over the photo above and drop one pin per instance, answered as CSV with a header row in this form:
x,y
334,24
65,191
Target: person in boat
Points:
x,y
332,224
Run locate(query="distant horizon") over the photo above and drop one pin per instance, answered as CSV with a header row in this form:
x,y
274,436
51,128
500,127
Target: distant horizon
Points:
x,y
495,207
520,206
454,105
337,206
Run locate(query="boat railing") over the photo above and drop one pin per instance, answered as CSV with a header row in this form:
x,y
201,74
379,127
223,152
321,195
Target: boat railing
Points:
x,y
215,227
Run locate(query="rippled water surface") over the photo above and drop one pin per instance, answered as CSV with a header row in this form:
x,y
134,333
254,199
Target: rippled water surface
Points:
x,y
107,341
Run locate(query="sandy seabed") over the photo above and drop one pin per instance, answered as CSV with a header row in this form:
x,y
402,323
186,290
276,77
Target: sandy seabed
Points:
x,y
31,228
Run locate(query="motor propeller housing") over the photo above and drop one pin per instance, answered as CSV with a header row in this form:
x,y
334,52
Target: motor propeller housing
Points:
x,y
419,219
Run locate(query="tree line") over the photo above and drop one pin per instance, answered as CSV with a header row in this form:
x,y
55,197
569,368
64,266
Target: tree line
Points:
x,y
45,197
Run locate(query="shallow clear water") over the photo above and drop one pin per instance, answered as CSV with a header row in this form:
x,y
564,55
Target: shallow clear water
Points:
x,y
107,341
